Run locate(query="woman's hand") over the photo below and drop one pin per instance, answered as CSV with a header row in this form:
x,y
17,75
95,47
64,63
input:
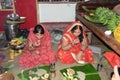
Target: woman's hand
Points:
x,y
116,75
76,41
79,55
31,47
65,45
36,52
84,44
37,43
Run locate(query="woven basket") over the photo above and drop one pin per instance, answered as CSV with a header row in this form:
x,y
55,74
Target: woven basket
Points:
x,y
7,76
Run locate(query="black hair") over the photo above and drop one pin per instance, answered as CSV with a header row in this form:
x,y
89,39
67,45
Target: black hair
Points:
x,y
37,29
81,35
119,70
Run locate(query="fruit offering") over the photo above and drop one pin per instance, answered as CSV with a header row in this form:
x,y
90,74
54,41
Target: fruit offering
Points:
x,y
117,33
104,16
17,43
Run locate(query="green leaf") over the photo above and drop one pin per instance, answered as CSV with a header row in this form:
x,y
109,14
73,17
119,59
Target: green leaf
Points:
x,y
90,19
88,69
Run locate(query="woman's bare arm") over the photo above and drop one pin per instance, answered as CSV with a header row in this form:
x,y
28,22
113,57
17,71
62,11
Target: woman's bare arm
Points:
x,y
116,75
84,42
65,45
30,45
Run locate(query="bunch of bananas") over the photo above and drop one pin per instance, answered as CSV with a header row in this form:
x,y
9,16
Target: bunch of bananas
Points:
x,y
105,16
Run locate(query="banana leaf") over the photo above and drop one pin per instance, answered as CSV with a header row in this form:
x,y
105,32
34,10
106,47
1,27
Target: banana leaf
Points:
x,y
90,72
25,74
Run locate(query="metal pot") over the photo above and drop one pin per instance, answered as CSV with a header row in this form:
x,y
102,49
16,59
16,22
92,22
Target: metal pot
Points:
x,y
11,31
13,17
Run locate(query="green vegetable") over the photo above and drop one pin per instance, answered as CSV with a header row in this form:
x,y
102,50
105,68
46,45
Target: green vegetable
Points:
x,y
90,19
105,16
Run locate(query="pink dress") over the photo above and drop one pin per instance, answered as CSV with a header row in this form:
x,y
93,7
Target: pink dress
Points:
x,y
46,56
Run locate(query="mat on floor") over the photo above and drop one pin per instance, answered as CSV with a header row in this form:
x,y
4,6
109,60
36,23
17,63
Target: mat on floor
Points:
x,y
85,72
37,73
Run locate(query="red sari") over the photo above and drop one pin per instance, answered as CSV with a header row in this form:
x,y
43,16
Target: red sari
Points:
x,y
112,58
46,56
65,55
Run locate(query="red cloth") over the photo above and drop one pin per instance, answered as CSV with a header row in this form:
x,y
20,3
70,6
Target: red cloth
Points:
x,y
65,55
112,58
46,56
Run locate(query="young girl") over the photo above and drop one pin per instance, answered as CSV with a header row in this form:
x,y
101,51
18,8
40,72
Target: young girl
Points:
x,y
38,48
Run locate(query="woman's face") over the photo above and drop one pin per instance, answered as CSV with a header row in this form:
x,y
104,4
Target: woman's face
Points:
x,y
77,32
38,35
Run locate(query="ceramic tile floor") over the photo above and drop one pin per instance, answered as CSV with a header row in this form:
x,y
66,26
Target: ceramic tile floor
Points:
x,y
104,72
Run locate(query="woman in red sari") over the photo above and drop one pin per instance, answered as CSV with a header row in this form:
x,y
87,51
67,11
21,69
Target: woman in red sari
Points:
x,y
73,46
113,58
38,48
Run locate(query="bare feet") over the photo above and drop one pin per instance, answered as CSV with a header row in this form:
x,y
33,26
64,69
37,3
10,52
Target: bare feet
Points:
x,y
81,62
78,61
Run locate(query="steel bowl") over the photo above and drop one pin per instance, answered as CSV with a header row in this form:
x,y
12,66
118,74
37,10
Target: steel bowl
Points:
x,y
13,17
